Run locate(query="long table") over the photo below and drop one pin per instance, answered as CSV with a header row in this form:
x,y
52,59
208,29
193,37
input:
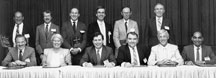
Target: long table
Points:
x,y
115,72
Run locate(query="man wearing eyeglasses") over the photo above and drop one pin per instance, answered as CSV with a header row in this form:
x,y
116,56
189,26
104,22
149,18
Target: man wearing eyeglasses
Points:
x,y
198,53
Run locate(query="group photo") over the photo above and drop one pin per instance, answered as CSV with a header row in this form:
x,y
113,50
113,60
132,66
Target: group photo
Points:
x,y
108,39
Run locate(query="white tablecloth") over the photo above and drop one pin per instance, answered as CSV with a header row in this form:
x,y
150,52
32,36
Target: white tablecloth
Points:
x,y
115,72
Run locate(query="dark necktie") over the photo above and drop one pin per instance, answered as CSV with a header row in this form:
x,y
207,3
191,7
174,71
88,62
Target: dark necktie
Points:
x,y
47,31
17,31
98,57
74,27
126,26
197,59
20,55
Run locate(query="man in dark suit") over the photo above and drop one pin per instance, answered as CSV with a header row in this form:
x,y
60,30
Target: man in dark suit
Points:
x,y
198,53
20,28
44,33
101,26
21,55
157,23
98,54
131,54
74,34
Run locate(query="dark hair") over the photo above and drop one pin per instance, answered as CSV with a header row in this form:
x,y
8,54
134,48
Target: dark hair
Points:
x,y
97,34
19,36
126,7
100,7
48,11
132,33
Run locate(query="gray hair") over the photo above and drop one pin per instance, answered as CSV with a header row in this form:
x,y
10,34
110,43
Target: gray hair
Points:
x,y
57,36
162,31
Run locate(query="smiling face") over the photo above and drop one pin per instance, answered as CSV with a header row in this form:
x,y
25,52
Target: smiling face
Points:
x,y
197,39
132,40
56,42
126,12
101,14
98,41
47,17
74,14
18,18
163,37
20,42
159,10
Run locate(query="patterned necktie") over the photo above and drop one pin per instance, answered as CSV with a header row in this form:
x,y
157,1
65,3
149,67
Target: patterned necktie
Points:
x,y
135,62
74,27
159,23
17,31
98,56
126,26
197,59
20,55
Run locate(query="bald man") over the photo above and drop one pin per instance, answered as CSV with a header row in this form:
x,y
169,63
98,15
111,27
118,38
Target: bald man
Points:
x,y
122,27
198,53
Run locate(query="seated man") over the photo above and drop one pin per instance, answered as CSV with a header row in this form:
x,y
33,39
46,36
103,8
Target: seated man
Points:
x,y
131,54
21,55
198,53
164,53
98,54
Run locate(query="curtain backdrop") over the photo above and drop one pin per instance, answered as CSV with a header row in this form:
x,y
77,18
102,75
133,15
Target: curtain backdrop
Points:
x,y
187,15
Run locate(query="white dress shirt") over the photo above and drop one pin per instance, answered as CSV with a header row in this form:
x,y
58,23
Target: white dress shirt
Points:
x,y
159,24
45,24
131,54
159,53
195,53
14,32
102,28
75,22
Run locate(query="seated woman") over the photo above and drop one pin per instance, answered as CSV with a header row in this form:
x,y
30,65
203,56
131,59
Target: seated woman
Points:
x,y
56,56
164,53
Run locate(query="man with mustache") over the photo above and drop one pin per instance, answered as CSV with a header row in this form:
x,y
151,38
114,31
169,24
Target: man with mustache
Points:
x,y
44,33
21,55
164,53
197,53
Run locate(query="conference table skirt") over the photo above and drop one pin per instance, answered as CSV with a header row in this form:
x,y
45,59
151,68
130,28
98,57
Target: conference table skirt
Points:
x,y
115,72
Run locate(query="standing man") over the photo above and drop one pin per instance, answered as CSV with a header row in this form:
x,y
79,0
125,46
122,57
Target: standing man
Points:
x,y
21,55
158,23
44,33
198,53
74,34
131,54
122,27
98,54
101,26
20,29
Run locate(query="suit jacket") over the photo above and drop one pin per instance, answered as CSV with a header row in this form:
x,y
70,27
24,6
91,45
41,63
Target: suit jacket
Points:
x,y
188,53
94,27
29,53
119,32
26,30
125,56
41,41
68,35
152,31
90,55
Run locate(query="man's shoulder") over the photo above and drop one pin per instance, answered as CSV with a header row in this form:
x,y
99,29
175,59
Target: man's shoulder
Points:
x,y
54,25
119,21
133,21
29,48
188,46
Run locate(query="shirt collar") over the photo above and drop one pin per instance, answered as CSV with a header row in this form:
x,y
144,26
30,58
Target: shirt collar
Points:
x,y
159,18
74,21
126,20
47,24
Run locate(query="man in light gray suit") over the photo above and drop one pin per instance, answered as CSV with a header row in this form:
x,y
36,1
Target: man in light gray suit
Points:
x,y
122,27
21,55
44,33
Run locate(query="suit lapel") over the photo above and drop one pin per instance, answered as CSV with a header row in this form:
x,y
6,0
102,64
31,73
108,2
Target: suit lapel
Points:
x,y
69,24
154,25
191,49
25,54
203,52
94,55
15,54
127,51
103,54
